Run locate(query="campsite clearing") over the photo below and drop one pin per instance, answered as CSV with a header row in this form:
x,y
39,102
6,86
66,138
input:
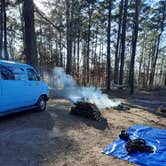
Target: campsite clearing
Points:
x,y
56,138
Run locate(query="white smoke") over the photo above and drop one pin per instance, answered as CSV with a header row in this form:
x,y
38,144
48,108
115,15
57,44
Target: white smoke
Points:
x,y
68,88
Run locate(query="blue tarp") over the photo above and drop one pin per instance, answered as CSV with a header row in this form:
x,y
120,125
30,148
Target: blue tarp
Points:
x,y
154,137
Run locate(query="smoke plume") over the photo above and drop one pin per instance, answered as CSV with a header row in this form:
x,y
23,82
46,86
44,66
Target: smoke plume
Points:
x,y
67,87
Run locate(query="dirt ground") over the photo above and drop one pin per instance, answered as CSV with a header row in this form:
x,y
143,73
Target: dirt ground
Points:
x,y
56,138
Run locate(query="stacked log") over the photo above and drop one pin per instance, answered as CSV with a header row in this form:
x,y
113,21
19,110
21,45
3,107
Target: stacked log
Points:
x,y
86,109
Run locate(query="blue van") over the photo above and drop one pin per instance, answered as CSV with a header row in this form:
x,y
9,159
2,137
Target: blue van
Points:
x,y
21,88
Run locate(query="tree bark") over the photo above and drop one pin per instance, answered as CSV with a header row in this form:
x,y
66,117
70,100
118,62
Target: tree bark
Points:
x,y
78,54
69,37
108,81
152,74
88,42
30,36
148,70
141,58
22,27
74,55
134,45
60,49
6,55
153,61
1,30
123,42
116,68
165,78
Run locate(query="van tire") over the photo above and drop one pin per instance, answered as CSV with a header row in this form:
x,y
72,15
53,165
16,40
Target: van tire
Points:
x,y
41,104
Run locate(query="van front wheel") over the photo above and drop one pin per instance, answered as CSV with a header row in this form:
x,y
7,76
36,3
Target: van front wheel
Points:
x,y
41,104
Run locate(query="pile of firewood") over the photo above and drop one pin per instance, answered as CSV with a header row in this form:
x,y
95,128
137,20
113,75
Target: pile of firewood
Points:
x,y
86,109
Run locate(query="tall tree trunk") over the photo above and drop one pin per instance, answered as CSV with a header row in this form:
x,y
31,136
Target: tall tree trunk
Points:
x,y
123,43
134,45
165,73
60,49
69,37
74,55
78,54
152,74
144,74
88,42
160,77
95,56
148,70
116,68
30,36
1,29
78,45
108,81
84,64
6,55
165,78
153,61
40,50
99,64
141,58
22,27
11,45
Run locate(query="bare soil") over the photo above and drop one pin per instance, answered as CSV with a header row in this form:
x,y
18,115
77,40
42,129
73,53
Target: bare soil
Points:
x,y
56,138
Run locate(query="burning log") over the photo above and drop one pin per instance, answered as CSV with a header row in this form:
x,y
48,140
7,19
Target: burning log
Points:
x,y
87,110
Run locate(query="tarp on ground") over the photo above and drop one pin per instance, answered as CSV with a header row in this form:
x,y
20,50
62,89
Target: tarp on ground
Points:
x,y
154,137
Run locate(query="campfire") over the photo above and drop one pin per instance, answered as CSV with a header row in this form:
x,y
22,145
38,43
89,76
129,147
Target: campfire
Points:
x,y
86,109
67,87
90,110
87,100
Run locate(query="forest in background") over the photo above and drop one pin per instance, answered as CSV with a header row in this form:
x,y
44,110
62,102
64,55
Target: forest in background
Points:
x,y
98,42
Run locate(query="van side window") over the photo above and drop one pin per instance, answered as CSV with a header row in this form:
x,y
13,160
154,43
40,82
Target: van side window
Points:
x,y
6,73
18,72
32,76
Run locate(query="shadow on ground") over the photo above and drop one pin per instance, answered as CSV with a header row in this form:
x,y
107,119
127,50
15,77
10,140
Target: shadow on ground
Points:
x,y
32,138
73,121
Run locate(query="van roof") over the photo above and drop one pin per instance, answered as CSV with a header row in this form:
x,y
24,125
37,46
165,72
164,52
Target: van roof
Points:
x,y
11,63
